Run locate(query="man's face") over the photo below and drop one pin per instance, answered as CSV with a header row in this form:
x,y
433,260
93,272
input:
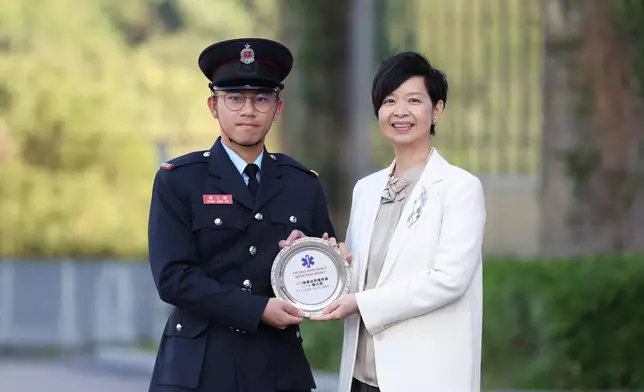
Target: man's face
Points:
x,y
245,116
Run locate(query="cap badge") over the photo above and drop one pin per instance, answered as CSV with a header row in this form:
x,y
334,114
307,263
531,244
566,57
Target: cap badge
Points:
x,y
247,55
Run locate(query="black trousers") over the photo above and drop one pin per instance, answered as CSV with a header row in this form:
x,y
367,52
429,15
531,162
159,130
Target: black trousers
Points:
x,y
357,386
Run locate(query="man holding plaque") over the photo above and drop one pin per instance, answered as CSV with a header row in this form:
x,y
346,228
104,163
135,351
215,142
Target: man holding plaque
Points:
x,y
216,219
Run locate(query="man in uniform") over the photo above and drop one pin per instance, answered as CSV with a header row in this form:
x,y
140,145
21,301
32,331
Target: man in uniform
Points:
x,y
216,221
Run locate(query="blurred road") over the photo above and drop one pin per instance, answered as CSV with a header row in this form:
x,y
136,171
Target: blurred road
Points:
x,y
108,371
20,375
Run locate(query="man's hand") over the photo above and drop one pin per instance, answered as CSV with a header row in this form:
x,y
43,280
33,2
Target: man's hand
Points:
x,y
340,309
295,235
281,314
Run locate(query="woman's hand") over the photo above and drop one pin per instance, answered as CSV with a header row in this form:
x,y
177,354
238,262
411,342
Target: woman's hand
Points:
x,y
340,309
297,234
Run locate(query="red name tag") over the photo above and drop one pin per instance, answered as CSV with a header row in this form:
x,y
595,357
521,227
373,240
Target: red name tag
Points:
x,y
217,199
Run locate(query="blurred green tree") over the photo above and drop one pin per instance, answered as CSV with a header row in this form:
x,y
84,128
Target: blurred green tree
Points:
x,y
594,76
87,90
321,54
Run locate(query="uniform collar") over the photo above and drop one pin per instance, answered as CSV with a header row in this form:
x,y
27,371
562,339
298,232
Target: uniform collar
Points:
x,y
239,162
227,178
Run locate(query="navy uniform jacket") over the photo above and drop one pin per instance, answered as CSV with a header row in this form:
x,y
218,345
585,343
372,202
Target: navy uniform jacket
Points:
x,y
202,250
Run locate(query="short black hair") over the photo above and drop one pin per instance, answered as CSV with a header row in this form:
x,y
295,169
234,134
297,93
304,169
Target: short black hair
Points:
x,y
398,68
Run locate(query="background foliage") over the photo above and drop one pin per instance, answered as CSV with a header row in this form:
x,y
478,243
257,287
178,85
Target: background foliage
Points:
x,y
559,325
89,100
93,95
602,53
92,101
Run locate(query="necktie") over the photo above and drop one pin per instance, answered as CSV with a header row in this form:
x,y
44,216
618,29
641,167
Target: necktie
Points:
x,y
251,170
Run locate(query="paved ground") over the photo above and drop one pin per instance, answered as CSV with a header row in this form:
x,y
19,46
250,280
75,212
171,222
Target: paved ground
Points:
x,y
108,371
19,375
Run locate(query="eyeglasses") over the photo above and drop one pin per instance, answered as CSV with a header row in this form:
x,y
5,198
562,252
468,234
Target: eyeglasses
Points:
x,y
263,102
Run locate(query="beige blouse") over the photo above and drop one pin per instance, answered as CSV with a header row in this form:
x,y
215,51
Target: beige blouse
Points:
x,y
392,202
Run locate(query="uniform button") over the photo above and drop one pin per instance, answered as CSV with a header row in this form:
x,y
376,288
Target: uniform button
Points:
x,y
293,219
259,216
247,284
273,157
218,222
252,250
206,154
297,334
179,327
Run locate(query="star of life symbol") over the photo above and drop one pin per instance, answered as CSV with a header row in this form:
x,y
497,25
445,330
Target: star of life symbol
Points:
x,y
307,261
247,55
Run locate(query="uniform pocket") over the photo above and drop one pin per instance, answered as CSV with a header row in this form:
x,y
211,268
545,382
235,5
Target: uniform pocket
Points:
x,y
292,367
293,219
182,352
218,217
217,228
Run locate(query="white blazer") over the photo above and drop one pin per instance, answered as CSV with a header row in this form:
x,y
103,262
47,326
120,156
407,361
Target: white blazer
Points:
x,y
425,313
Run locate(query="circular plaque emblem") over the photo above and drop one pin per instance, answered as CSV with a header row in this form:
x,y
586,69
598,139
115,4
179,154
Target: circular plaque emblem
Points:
x,y
310,274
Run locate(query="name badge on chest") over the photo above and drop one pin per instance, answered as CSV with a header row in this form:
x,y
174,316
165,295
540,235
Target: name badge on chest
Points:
x,y
217,199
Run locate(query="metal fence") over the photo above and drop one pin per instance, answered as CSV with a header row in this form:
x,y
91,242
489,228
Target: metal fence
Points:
x,y
77,305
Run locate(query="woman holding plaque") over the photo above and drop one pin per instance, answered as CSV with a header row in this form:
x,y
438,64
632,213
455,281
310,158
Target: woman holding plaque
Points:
x,y
413,318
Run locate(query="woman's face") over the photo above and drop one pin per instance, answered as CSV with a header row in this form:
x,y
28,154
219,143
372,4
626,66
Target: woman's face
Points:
x,y
406,114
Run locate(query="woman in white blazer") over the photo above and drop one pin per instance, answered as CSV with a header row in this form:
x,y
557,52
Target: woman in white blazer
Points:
x,y
413,318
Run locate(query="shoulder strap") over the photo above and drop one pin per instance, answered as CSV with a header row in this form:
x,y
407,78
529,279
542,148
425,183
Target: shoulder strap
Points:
x,y
285,160
187,159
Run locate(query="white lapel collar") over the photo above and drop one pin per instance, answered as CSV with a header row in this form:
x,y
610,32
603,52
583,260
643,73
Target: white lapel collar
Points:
x,y
428,187
372,204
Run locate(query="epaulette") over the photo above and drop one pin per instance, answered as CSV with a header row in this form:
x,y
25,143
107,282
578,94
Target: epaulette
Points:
x,y
187,159
285,160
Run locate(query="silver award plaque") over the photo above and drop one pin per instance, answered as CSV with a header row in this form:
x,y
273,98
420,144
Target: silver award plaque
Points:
x,y
310,274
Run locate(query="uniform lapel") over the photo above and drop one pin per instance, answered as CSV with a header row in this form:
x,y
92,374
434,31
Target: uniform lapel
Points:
x,y
420,203
227,177
270,183
371,199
